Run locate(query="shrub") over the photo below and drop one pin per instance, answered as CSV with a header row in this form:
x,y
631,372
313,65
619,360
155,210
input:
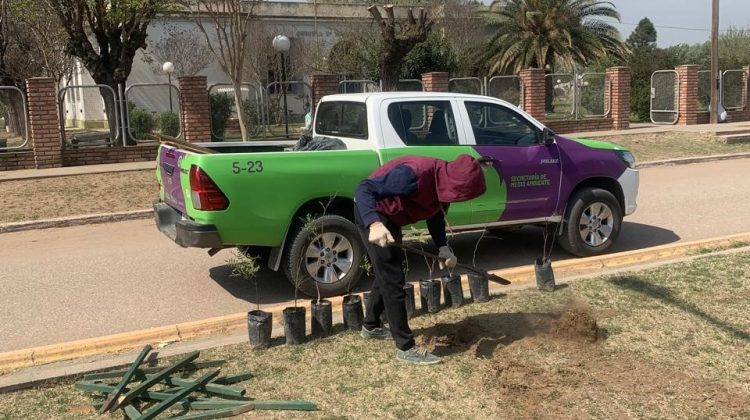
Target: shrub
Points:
x,y
169,124
141,123
221,109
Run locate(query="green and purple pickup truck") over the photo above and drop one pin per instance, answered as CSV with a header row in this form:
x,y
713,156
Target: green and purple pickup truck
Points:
x,y
295,208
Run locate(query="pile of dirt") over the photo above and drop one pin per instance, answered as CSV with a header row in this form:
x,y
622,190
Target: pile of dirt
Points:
x,y
576,323
482,334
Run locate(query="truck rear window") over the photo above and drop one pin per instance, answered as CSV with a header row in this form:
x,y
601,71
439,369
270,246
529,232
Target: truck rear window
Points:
x,y
342,119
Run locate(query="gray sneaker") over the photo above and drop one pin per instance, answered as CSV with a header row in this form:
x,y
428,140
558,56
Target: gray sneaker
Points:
x,y
382,333
417,355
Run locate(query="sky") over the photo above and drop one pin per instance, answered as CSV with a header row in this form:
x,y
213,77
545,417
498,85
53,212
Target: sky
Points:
x,y
691,14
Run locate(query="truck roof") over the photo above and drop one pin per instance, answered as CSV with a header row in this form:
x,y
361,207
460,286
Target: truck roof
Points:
x,y
362,97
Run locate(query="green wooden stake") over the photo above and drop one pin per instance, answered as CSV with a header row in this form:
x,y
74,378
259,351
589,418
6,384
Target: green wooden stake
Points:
x,y
109,402
217,414
233,379
190,403
132,412
285,405
118,373
153,379
159,408
227,391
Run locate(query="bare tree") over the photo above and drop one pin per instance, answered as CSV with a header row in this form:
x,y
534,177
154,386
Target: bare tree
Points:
x,y
228,39
105,35
186,49
396,46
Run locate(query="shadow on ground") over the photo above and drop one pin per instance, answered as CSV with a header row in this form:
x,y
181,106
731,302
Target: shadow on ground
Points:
x,y
486,251
665,295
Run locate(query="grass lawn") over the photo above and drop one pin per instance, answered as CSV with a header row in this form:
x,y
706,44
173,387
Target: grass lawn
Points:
x,y
45,198
673,144
671,342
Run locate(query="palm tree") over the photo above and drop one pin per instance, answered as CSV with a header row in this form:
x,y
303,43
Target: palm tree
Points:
x,y
540,33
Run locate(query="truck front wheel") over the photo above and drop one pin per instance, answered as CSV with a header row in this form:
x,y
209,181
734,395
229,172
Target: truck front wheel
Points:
x,y
324,256
593,222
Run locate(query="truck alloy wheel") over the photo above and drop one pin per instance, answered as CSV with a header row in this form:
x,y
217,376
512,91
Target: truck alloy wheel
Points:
x,y
324,256
593,222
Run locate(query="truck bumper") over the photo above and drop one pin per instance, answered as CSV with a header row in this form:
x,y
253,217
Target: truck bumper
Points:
x,y
185,233
629,181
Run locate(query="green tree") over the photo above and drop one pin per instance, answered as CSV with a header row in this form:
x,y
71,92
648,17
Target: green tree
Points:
x,y
644,35
434,54
540,33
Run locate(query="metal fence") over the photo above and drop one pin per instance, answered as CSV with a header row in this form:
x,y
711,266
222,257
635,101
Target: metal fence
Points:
x,y
704,90
665,97
410,85
223,111
287,104
733,89
560,99
358,86
152,108
593,95
14,120
90,116
507,88
470,85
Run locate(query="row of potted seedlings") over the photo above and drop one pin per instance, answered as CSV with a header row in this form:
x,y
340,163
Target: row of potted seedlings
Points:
x,y
260,323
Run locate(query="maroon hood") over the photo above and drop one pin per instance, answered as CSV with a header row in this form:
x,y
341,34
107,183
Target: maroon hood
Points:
x,y
459,180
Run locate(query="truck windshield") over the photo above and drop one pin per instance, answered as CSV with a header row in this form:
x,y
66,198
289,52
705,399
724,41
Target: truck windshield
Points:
x,y
342,119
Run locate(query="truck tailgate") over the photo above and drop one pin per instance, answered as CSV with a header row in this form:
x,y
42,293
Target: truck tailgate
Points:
x,y
169,167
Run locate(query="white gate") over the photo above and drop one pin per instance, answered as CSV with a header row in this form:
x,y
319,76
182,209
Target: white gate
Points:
x,y
665,97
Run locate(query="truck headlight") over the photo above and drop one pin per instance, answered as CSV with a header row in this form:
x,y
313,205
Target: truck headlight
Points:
x,y
626,157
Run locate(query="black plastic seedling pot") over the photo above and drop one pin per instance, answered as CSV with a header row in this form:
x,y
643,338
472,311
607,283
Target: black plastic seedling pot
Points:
x,y
321,321
453,292
411,302
353,312
294,325
429,295
259,327
545,277
479,286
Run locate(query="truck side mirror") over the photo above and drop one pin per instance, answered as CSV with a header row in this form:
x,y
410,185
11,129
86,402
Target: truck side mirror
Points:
x,y
546,136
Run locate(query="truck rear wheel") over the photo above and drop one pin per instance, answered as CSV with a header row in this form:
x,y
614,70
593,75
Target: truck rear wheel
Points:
x,y
325,254
593,222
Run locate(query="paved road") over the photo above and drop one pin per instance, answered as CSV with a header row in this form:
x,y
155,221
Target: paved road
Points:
x,y
79,282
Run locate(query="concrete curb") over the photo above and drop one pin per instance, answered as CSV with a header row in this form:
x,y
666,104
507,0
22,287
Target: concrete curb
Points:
x,y
159,336
76,220
697,159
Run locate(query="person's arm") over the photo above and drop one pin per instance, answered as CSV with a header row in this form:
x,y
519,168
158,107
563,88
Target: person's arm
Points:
x,y
399,181
436,227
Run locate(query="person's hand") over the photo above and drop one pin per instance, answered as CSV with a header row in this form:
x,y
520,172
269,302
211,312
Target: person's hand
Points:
x,y
448,259
379,235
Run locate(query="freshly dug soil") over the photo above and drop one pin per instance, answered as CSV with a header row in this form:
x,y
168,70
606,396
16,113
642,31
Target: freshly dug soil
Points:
x,y
483,333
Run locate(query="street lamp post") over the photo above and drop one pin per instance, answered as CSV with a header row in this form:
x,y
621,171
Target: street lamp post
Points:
x,y
168,68
281,44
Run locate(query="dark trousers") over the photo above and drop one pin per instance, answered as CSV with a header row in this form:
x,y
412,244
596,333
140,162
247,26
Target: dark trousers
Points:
x,y
387,293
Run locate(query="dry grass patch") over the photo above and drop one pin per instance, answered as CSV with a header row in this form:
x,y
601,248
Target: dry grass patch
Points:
x,y
671,342
673,144
35,199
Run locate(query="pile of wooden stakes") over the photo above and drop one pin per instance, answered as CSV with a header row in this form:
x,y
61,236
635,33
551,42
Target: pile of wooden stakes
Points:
x,y
208,397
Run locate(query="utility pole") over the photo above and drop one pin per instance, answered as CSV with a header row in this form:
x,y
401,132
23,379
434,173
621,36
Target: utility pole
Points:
x,y
714,111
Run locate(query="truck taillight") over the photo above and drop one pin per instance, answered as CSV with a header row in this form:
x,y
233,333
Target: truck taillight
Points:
x,y
204,193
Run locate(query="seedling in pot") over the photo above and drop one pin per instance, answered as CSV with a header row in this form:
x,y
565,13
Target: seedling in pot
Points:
x,y
259,323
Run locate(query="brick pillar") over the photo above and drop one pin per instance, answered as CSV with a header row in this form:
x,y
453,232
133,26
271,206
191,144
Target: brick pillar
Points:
x,y
619,96
44,122
322,84
688,94
436,81
533,91
196,119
